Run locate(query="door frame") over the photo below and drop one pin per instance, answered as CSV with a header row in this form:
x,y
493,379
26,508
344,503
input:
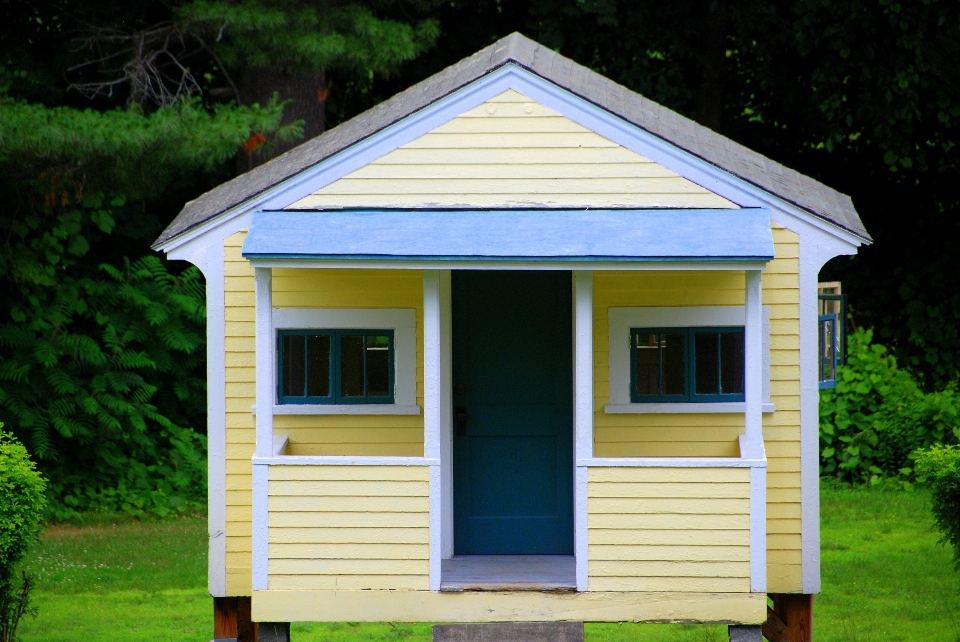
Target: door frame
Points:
x,y
438,411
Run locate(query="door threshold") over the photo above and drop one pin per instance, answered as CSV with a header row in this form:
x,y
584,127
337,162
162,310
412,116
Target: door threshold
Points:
x,y
545,573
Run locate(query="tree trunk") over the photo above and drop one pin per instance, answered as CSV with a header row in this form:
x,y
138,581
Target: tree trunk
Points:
x,y
308,95
712,70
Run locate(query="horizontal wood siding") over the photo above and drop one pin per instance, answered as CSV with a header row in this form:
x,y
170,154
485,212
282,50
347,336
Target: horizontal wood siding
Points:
x,y
666,435
384,435
512,152
349,527
240,373
700,435
669,529
781,429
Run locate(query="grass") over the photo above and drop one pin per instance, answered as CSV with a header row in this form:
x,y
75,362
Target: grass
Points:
x,y
884,578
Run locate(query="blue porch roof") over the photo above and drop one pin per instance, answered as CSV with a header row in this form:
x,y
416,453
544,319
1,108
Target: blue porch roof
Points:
x,y
513,235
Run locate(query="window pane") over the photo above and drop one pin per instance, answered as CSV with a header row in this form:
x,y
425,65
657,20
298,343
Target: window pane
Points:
x,y
731,363
351,366
648,367
293,365
318,366
378,366
673,364
827,372
705,353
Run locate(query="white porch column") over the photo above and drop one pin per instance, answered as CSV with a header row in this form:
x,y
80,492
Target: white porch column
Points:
x,y
752,444
582,412
753,364
437,437
266,384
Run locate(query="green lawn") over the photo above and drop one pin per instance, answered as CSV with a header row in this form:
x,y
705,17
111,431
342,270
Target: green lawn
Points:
x,y
885,578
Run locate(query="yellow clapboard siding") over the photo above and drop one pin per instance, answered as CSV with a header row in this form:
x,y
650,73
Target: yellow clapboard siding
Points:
x,y
652,505
238,559
350,488
358,449
490,200
784,578
347,434
648,536
349,504
685,584
670,521
668,490
372,520
785,526
285,550
350,473
507,154
663,449
645,569
502,170
350,535
512,186
783,495
350,582
782,541
653,475
348,567
665,553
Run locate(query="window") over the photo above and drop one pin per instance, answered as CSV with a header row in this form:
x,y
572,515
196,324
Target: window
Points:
x,y
336,366
686,364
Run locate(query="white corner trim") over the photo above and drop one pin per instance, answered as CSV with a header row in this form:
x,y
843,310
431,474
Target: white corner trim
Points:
x,y
208,256
265,357
433,404
402,321
758,529
343,460
753,349
583,415
621,320
680,408
673,462
260,531
318,410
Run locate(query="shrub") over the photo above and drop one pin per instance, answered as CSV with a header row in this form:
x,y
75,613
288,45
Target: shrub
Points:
x,y
939,466
21,507
878,415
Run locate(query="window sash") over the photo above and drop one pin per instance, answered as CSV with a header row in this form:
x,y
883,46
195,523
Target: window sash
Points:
x,y
336,396
827,356
690,362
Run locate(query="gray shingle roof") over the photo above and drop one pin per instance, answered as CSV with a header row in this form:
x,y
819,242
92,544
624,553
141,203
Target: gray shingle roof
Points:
x,y
740,161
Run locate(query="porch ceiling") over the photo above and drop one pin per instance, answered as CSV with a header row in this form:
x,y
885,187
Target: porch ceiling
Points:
x,y
655,235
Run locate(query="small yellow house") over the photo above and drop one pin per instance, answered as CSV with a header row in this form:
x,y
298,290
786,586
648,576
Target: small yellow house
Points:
x,y
515,345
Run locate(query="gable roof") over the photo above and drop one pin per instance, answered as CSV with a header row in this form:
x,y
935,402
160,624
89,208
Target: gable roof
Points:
x,y
792,186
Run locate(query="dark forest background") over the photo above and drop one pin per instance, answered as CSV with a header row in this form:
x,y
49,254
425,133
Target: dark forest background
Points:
x,y
113,114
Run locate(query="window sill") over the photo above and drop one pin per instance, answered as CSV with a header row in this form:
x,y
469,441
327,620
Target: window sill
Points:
x,y
678,408
343,409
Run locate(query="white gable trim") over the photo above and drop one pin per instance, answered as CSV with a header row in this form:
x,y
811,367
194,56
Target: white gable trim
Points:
x,y
512,76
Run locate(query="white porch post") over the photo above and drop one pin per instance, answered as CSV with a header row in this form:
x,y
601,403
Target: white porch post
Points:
x,y
753,432
582,412
265,347
437,445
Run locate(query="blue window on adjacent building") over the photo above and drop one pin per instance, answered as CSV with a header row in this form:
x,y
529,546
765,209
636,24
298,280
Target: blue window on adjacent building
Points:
x,y
335,366
686,364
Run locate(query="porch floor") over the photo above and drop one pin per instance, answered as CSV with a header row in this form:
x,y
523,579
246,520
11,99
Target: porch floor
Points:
x,y
509,573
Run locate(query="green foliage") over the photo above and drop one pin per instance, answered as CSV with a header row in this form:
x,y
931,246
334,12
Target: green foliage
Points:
x,y
102,363
22,500
878,415
311,36
939,466
123,151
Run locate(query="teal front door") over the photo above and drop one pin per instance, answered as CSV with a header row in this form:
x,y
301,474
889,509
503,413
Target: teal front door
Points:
x,y
513,413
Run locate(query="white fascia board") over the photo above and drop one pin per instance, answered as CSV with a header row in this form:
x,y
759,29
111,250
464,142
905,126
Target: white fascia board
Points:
x,y
507,77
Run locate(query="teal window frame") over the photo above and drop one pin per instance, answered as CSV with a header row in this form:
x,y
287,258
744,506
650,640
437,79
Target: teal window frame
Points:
x,y
828,358
336,397
690,363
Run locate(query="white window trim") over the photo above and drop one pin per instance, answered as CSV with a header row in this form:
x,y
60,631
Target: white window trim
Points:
x,y
621,320
403,322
